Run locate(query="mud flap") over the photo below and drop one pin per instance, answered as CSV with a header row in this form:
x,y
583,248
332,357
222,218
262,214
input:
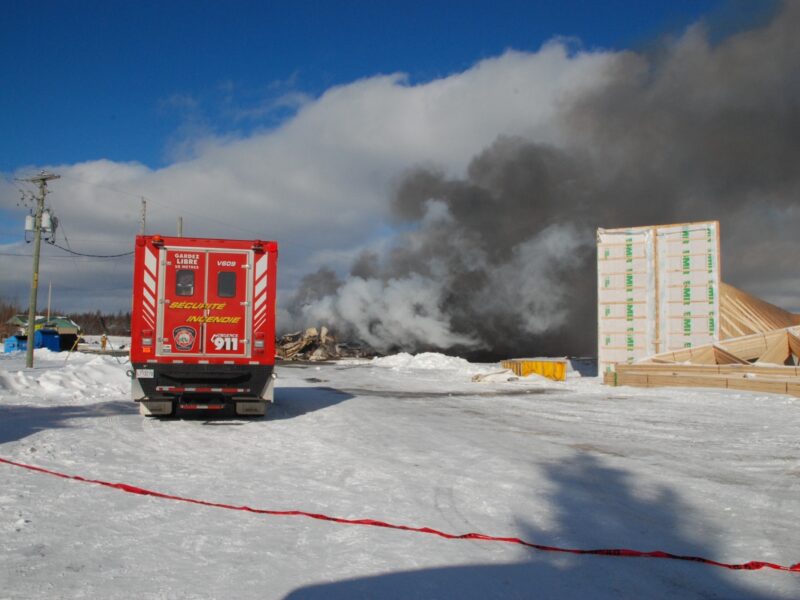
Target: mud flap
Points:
x,y
268,393
156,408
253,409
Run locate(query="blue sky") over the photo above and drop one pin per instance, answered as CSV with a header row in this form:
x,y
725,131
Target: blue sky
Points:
x,y
128,81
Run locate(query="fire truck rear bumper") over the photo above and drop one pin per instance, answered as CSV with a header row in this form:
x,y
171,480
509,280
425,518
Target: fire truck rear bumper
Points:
x,y
228,383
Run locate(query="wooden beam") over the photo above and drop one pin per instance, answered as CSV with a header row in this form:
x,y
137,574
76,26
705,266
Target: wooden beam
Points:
x,y
742,313
777,352
750,347
794,343
732,370
703,355
785,381
723,357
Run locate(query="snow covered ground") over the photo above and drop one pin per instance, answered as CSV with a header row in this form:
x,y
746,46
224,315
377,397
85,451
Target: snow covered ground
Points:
x,y
409,440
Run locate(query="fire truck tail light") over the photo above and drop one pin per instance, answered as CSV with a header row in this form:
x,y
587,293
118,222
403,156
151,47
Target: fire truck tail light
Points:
x,y
147,337
258,343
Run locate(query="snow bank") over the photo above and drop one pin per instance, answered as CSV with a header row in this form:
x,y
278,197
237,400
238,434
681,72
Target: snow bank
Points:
x,y
452,368
428,361
81,379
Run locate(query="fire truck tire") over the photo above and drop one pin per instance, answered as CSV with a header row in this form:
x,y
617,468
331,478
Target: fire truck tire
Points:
x,y
159,408
251,409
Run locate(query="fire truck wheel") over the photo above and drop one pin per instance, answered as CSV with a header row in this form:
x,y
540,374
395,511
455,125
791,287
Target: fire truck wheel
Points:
x,y
251,409
160,408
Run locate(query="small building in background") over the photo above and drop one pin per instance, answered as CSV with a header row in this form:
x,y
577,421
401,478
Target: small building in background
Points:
x,y
62,325
56,334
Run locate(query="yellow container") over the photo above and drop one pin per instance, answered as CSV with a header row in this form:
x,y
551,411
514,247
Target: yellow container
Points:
x,y
552,368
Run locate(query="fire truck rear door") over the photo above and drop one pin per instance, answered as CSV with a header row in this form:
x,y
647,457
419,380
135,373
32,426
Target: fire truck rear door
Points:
x,y
227,329
181,298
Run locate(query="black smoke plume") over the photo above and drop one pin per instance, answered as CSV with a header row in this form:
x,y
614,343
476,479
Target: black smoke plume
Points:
x,y
502,262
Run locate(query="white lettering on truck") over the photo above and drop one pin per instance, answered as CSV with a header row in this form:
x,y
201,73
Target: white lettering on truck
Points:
x,y
186,261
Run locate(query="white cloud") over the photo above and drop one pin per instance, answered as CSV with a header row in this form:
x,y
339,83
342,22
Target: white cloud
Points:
x,y
318,184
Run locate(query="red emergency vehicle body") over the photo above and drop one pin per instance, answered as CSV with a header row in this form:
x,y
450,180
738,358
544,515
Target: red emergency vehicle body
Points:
x,y
203,324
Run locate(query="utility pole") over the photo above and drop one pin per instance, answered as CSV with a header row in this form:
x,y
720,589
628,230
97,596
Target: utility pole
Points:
x,y
143,219
180,226
42,180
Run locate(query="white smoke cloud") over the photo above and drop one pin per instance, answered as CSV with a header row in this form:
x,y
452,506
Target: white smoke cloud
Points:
x,y
417,311
398,313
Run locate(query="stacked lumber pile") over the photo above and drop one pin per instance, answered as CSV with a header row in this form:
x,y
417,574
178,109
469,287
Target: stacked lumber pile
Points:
x,y
743,314
313,344
659,289
763,362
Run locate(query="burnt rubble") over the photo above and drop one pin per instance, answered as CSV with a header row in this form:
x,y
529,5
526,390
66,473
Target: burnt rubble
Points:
x,y
316,345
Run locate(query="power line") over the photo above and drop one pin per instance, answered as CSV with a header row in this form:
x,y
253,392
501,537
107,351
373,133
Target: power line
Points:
x,y
92,255
72,257
49,257
66,240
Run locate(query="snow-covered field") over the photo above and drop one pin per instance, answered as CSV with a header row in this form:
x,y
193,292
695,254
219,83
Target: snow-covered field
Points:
x,y
409,440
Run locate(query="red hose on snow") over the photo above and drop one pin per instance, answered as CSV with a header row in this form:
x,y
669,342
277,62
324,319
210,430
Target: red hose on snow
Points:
x,y
752,565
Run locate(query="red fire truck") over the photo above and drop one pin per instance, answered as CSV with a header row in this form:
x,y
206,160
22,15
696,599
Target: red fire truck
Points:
x,y
203,324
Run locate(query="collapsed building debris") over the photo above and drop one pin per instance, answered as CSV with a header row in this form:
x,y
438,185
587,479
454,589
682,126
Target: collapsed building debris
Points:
x,y
313,344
